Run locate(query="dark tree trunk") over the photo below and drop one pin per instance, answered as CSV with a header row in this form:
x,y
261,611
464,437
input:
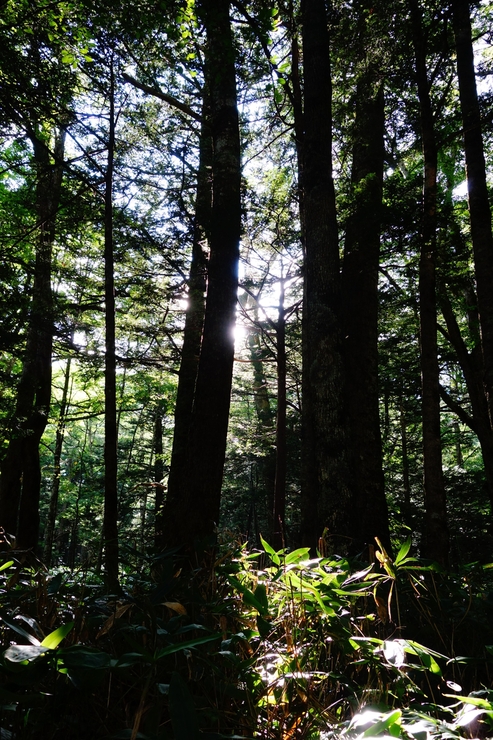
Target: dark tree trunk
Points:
x,y
195,515
279,534
435,543
479,208
360,313
265,418
158,480
406,484
57,457
20,470
326,501
194,323
110,518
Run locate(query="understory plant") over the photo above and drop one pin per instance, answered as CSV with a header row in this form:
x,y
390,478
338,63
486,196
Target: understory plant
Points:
x,y
268,644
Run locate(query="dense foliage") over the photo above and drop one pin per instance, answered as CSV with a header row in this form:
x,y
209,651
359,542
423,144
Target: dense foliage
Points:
x,y
266,644
246,262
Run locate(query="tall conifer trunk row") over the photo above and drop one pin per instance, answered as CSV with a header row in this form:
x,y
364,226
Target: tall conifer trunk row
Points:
x,y
435,537
20,478
195,515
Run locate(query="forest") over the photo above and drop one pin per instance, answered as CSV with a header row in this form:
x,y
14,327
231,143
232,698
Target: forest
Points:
x,y
246,369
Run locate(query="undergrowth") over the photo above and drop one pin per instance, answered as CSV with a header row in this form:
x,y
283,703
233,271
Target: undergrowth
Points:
x,y
248,645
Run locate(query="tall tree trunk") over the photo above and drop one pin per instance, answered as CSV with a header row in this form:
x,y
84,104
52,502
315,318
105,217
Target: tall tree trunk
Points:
x,y
360,312
265,421
194,323
435,542
279,534
195,515
326,500
479,207
406,484
158,479
110,517
20,478
57,457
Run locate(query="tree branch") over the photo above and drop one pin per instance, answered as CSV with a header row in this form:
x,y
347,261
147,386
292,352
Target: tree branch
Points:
x,y
157,93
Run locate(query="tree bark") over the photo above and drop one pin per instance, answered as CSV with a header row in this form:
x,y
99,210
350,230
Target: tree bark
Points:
x,y
110,517
60,433
279,514
20,479
158,480
326,500
195,516
435,541
194,323
360,313
265,419
479,207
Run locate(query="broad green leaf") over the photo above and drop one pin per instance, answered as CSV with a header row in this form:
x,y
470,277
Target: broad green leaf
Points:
x,y
84,657
23,653
270,551
385,723
403,552
426,655
261,596
297,555
128,659
263,627
6,565
170,649
475,701
260,604
20,631
54,638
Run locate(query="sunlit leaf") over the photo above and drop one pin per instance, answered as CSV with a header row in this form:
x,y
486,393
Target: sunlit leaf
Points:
x,y
403,552
22,653
54,638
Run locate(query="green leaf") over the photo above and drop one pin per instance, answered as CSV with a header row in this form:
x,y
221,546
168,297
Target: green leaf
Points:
x,y
24,653
182,710
403,552
263,627
6,565
54,638
78,656
426,656
250,598
170,649
128,659
297,555
261,596
475,701
20,631
386,722
270,551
